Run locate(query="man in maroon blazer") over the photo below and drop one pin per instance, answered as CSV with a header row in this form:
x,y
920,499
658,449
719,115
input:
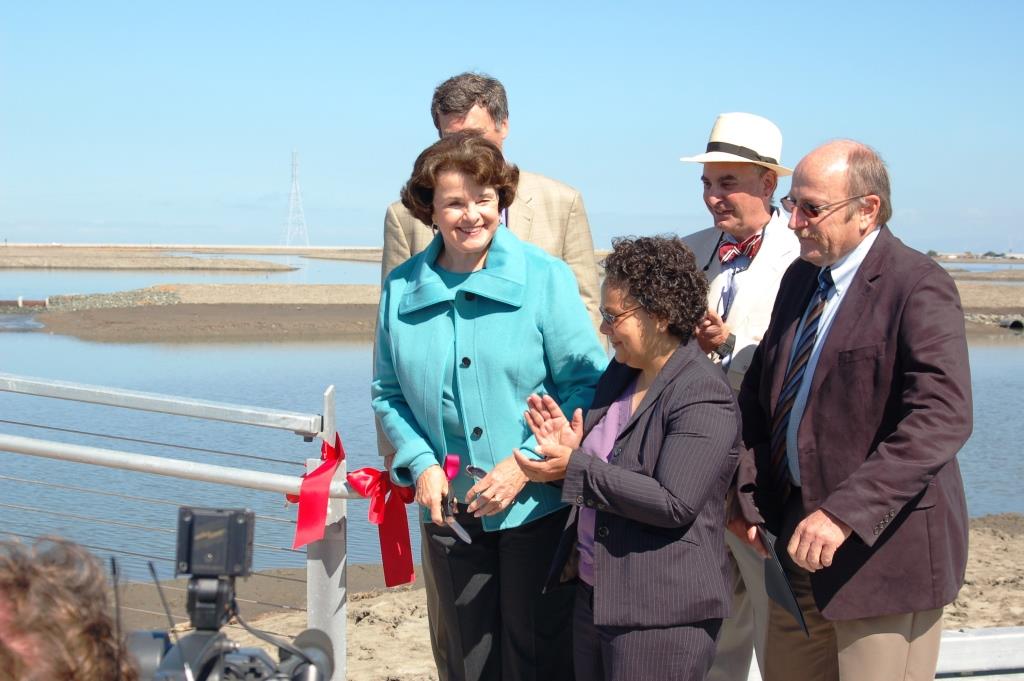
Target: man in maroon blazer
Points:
x,y
854,408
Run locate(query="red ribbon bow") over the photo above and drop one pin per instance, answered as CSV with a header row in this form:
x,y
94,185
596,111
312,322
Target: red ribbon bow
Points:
x,y
387,512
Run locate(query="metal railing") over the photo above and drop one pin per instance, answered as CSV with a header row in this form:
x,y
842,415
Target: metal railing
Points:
x,y
326,584
306,425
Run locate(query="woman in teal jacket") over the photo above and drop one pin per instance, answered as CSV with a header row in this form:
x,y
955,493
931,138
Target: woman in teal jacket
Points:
x,y
466,331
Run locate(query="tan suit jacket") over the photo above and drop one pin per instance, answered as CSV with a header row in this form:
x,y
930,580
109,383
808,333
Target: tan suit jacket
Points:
x,y
545,213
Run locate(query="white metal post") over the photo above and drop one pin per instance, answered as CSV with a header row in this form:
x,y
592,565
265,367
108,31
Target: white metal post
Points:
x,y
327,561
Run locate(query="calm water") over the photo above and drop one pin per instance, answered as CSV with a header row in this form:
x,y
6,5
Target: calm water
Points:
x,y
39,284
293,376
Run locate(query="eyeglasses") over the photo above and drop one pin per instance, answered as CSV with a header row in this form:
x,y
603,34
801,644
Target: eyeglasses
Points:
x,y
789,204
610,318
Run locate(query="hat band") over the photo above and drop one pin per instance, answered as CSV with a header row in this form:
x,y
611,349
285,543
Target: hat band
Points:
x,y
737,150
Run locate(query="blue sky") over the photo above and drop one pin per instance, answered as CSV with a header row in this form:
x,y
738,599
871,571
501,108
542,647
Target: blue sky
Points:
x,y
174,122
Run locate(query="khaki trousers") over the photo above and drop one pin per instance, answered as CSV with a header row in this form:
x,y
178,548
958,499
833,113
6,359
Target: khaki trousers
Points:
x,y
888,648
743,633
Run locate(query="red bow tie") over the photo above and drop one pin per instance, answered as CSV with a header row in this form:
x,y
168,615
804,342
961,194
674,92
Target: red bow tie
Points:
x,y
749,247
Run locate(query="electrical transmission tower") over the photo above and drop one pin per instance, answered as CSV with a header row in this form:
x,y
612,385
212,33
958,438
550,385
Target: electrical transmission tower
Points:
x,y
295,232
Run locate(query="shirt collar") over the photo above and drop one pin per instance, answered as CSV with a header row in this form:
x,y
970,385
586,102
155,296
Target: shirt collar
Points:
x,y
846,267
730,239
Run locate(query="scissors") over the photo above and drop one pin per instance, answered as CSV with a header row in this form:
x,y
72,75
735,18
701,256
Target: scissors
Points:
x,y
476,472
449,506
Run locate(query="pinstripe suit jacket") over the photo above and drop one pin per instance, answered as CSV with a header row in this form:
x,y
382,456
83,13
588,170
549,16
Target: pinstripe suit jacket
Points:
x,y
545,213
659,549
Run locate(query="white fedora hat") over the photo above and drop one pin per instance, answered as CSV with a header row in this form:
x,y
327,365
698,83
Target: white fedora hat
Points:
x,y
743,138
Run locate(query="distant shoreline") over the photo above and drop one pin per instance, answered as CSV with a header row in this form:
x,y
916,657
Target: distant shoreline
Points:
x,y
290,312
86,256
297,312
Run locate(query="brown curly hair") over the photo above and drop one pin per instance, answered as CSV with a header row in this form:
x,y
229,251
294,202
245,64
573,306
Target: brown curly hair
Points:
x,y
661,274
54,619
465,152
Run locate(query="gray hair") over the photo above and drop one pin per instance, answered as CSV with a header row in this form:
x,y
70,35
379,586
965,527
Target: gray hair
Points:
x,y
866,174
460,93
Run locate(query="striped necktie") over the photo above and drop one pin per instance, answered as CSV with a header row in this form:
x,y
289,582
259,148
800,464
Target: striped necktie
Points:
x,y
794,376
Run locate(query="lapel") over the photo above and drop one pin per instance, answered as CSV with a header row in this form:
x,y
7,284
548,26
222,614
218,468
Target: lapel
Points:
x,y
683,355
520,213
503,278
859,301
773,245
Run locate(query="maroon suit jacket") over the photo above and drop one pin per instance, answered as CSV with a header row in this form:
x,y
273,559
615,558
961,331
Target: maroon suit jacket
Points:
x,y
888,410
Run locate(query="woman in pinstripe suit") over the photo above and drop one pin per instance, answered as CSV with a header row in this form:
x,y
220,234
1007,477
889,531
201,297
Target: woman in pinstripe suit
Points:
x,y
647,473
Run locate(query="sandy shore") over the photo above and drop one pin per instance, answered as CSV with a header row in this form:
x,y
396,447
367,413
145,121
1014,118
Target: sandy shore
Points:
x,y
94,258
218,312
994,275
388,635
286,312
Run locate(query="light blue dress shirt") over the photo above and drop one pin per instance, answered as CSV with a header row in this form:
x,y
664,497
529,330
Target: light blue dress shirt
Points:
x,y
842,272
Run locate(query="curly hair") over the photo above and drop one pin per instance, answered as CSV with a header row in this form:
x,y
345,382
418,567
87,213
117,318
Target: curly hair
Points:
x,y
661,274
465,152
54,619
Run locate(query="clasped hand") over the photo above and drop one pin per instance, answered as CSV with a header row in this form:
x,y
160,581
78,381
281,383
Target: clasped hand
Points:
x,y
711,332
556,437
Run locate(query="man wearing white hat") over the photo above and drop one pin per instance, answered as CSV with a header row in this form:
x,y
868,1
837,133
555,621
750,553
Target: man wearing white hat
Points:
x,y
744,257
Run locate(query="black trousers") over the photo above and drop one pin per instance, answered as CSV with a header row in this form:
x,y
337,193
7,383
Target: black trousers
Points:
x,y
602,653
488,613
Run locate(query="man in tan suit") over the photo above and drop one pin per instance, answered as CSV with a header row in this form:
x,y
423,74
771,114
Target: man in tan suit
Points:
x,y
545,212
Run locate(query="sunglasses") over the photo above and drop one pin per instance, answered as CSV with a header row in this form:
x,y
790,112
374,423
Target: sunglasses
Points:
x,y
610,318
789,204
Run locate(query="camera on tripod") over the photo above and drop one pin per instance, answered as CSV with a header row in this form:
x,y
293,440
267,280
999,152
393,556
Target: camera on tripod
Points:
x,y
215,547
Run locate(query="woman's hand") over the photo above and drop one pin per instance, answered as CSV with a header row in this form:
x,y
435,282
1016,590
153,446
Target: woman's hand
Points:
x,y
497,490
549,425
552,467
431,487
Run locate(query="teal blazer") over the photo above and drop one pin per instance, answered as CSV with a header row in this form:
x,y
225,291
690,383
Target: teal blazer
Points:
x,y
519,327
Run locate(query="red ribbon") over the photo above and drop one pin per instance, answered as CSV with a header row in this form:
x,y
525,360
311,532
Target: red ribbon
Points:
x,y
314,494
387,512
451,466
387,508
